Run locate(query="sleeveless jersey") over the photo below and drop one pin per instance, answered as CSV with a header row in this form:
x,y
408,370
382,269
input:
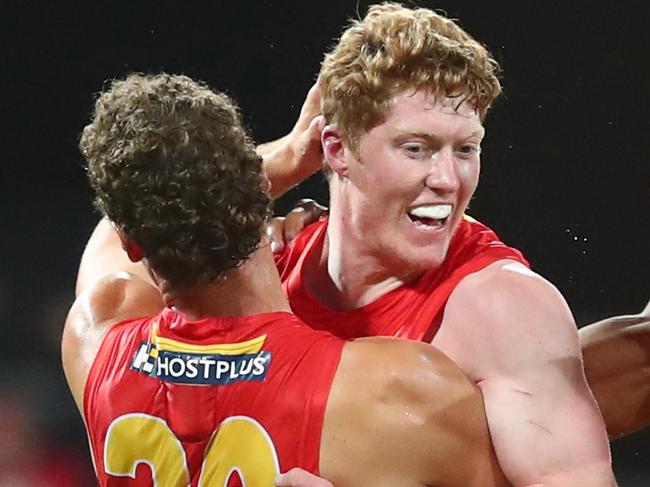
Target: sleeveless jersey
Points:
x,y
219,401
414,310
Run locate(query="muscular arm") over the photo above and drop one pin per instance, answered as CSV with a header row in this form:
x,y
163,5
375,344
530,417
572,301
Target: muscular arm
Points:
x,y
293,158
617,364
104,255
514,335
110,289
413,419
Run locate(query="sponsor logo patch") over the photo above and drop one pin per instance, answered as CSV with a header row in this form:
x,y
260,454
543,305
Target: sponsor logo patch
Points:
x,y
181,363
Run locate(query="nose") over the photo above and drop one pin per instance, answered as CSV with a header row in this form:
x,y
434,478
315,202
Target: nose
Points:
x,y
443,174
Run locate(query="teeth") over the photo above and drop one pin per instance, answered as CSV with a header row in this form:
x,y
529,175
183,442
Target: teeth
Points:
x,y
432,212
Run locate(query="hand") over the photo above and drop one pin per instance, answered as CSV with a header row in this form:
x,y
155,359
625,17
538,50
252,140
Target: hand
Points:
x,y
304,138
297,477
291,159
282,230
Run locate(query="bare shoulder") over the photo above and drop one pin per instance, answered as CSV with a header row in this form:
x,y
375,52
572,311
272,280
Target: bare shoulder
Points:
x,y
503,309
398,410
416,369
508,287
111,299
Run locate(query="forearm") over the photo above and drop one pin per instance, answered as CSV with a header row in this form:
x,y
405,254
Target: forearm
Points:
x,y
617,366
284,167
104,255
266,148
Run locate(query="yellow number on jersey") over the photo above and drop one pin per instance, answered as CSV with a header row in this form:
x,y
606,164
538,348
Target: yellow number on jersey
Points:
x,y
136,438
240,443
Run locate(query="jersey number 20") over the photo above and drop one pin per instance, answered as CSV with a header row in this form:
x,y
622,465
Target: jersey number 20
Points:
x,y
240,443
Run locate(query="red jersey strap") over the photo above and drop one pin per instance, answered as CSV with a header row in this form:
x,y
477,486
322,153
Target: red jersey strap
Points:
x,y
116,347
413,310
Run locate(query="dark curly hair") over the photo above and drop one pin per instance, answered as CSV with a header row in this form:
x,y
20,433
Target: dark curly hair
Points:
x,y
173,167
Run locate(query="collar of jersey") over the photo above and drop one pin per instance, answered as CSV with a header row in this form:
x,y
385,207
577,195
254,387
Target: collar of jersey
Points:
x,y
246,347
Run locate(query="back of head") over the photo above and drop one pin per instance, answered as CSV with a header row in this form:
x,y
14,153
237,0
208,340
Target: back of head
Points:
x,y
396,48
173,167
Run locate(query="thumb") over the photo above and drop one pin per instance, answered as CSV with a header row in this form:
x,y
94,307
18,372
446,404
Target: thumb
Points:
x,y
315,127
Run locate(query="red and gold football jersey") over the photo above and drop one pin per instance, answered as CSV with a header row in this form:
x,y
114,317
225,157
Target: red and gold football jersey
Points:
x,y
219,401
412,311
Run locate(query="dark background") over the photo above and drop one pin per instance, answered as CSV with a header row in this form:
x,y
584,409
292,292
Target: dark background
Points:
x,y
565,176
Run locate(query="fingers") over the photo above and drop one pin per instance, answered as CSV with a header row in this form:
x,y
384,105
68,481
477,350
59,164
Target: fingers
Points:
x,y
307,146
315,127
313,96
297,477
310,108
282,230
312,206
306,212
308,143
275,234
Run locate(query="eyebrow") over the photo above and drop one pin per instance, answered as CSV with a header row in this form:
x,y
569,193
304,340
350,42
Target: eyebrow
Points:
x,y
433,136
480,132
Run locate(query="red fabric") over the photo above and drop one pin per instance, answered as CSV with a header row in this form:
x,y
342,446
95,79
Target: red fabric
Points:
x,y
289,403
412,311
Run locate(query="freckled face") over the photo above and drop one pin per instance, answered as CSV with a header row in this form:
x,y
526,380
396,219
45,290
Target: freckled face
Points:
x,y
412,181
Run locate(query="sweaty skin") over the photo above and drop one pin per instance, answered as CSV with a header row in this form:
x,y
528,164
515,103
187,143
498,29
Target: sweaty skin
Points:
x,y
205,258
615,350
526,356
430,413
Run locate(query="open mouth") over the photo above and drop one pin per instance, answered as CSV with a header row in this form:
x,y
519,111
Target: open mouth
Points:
x,y
430,216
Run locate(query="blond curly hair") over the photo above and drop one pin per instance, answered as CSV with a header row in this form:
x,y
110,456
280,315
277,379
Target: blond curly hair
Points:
x,y
396,48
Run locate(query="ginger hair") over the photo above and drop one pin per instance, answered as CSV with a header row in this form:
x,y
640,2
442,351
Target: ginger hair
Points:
x,y
395,48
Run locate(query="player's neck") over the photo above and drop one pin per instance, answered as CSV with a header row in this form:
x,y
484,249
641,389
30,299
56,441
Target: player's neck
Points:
x,y
252,288
344,276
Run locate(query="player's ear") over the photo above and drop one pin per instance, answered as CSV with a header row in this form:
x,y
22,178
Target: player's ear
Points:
x,y
131,248
334,149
